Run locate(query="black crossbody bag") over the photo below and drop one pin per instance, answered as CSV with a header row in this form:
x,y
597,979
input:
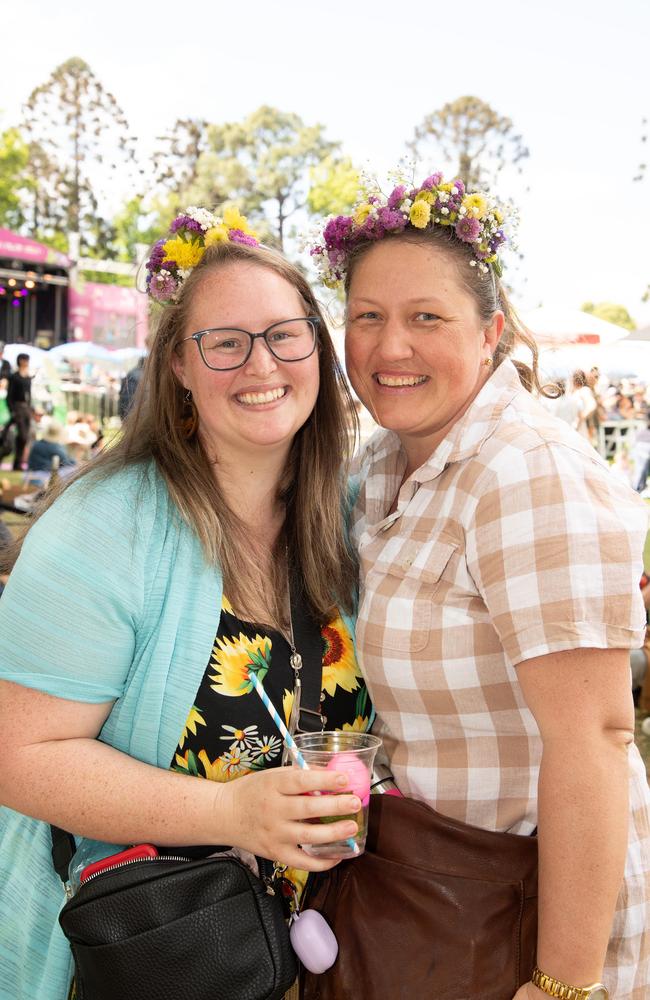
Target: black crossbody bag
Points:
x,y
166,927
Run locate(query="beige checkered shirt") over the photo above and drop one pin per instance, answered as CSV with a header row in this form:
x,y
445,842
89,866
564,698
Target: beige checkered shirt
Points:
x,y
512,541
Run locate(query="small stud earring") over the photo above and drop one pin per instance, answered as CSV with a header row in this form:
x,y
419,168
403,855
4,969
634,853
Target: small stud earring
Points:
x,y
487,362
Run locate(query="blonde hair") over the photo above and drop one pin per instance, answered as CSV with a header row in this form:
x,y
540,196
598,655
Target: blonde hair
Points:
x,y
314,485
488,293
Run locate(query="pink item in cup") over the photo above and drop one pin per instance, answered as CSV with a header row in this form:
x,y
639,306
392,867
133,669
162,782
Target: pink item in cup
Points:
x,y
357,772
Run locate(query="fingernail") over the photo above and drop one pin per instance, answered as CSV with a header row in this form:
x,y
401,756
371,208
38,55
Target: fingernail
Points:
x,y
356,804
342,780
352,829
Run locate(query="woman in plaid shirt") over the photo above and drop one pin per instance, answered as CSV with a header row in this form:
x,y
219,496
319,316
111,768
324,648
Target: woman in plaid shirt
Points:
x,y
500,565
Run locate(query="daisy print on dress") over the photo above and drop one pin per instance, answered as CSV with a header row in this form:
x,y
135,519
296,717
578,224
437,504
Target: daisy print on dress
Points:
x,y
241,739
235,660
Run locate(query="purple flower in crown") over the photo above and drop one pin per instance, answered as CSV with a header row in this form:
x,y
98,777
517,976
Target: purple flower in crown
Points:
x,y
156,257
237,236
460,187
468,229
496,240
396,196
390,219
431,181
337,231
163,287
372,228
185,222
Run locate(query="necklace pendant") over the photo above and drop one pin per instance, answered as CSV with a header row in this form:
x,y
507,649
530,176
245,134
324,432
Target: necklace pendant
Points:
x,y
296,661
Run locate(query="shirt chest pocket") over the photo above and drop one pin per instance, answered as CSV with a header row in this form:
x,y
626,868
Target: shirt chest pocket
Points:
x,y
399,593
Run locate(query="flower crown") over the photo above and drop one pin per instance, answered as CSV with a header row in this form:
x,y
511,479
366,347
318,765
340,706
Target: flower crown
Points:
x,y
475,218
193,231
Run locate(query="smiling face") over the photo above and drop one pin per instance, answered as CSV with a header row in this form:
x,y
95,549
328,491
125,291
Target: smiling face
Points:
x,y
264,403
415,344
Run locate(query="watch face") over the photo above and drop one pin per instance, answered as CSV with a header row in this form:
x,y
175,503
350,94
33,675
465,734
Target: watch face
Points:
x,y
600,993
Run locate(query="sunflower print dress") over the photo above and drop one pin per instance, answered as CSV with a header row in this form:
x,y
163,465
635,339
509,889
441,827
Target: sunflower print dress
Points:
x,y
229,732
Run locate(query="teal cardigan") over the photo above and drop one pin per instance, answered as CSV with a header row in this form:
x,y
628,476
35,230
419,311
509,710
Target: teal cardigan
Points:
x,y
111,599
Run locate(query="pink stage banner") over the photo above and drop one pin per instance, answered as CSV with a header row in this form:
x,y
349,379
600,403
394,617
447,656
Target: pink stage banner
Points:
x,y
108,315
14,247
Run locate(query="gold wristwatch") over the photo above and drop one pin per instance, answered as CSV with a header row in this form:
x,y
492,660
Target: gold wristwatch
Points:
x,y
556,988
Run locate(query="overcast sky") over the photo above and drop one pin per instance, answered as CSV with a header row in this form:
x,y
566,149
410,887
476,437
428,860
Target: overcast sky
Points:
x,y
573,75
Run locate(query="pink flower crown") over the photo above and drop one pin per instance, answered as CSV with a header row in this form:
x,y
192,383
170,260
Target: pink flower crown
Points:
x,y
191,233
474,217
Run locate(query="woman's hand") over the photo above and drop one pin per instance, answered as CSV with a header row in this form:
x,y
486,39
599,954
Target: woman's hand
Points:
x,y
268,814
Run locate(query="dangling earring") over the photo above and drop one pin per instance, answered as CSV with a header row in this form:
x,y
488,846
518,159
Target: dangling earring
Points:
x,y
487,362
190,418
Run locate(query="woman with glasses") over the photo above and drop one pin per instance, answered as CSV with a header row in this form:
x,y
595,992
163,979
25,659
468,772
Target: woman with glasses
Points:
x,y
204,547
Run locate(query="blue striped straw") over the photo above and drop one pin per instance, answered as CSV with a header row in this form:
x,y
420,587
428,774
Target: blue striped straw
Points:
x,y
270,707
288,738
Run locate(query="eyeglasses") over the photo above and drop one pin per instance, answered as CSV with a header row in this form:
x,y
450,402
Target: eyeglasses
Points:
x,y
225,348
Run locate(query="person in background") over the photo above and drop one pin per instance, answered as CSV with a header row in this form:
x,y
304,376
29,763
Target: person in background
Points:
x,y
587,405
181,550
79,439
5,367
47,446
500,561
128,389
19,402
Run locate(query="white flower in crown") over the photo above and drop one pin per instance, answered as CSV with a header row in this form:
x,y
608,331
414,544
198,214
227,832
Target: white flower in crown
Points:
x,y
203,216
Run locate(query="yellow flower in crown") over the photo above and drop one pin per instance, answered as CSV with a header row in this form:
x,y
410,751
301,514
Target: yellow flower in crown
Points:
x,y
361,214
476,205
193,720
427,196
218,234
233,219
420,214
340,666
235,660
184,253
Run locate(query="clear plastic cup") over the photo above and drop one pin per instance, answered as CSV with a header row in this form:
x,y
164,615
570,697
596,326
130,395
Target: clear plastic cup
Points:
x,y
354,754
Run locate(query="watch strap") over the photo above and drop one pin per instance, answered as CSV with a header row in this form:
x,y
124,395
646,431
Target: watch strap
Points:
x,y
563,991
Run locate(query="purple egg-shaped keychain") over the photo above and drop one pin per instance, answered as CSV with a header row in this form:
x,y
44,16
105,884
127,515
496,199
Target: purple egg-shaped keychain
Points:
x,y
313,941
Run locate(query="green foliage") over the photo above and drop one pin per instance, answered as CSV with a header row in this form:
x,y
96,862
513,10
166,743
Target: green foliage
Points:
x,y
475,141
261,165
14,179
611,312
334,184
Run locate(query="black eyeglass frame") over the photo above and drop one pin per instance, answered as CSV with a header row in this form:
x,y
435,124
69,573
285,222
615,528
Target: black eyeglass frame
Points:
x,y
314,322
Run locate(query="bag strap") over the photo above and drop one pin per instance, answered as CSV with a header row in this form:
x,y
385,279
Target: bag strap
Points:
x,y
63,849
309,643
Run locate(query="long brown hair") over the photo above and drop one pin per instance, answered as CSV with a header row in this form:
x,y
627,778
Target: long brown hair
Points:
x,y
314,486
487,291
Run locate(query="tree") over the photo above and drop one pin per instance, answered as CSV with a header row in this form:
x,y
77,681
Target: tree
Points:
x,y
14,158
334,185
261,164
77,124
475,140
611,312
177,154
